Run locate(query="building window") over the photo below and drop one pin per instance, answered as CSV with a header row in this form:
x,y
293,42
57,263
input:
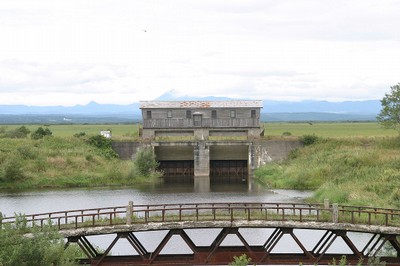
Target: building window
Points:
x,y
169,114
197,120
233,113
188,114
148,114
253,113
213,113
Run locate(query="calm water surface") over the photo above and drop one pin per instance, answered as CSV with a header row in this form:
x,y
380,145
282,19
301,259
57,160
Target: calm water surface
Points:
x,y
201,190
29,202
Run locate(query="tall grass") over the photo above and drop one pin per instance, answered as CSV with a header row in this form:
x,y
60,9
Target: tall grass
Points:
x,y
359,171
54,162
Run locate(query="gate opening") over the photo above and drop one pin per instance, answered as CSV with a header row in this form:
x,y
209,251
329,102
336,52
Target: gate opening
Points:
x,y
228,171
177,171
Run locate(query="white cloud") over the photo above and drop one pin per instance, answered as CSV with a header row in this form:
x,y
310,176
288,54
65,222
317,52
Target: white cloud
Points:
x,y
121,51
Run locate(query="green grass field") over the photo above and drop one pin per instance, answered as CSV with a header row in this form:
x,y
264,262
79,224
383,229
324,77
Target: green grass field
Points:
x,y
119,131
130,131
332,130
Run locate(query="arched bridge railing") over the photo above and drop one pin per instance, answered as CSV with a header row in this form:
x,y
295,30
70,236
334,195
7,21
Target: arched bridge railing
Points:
x,y
142,214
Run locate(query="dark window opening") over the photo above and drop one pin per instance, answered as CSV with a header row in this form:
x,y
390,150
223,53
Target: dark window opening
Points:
x,y
148,114
188,114
213,113
253,113
197,120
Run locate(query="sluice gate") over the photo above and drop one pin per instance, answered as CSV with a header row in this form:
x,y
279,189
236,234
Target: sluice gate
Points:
x,y
224,162
228,171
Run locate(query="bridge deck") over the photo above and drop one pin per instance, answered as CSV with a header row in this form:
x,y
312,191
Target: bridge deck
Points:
x,y
124,221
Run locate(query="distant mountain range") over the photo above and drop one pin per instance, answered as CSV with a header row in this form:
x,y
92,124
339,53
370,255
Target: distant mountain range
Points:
x,y
272,111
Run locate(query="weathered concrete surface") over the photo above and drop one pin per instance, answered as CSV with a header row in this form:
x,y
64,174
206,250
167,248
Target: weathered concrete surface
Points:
x,y
273,150
126,150
235,224
265,151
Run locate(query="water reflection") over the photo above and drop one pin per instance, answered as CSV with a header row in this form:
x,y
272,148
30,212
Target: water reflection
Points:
x,y
201,190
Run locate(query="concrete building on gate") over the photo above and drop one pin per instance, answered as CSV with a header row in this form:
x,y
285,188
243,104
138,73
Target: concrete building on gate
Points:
x,y
201,119
223,160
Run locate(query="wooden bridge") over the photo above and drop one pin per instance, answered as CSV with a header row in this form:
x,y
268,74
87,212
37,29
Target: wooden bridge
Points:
x,y
381,226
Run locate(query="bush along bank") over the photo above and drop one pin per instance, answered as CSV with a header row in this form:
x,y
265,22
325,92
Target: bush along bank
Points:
x,y
53,162
356,171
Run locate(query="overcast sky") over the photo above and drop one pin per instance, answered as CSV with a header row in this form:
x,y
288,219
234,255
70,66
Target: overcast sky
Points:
x,y
58,52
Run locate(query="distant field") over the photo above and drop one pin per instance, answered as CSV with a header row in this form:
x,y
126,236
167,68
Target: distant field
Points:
x,y
118,130
340,129
130,131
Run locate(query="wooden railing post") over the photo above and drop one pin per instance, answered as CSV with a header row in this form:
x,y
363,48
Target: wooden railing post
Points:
x,y
129,209
335,213
326,203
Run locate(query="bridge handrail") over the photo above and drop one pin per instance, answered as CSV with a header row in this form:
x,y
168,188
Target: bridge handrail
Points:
x,y
64,213
98,210
210,211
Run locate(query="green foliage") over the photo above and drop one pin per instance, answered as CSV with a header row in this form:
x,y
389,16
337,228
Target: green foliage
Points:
x,y
99,142
58,162
308,139
26,152
104,146
145,162
241,260
389,116
40,248
358,171
11,171
342,261
17,133
41,133
371,262
286,133
80,134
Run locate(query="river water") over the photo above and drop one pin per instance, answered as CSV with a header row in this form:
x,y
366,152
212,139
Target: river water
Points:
x,y
199,191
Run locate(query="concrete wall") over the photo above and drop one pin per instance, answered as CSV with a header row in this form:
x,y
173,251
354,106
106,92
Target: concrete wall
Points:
x,y
174,153
272,151
259,152
229,152
201,159
126,150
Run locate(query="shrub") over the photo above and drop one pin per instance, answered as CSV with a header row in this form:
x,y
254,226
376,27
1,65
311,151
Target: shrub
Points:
x,y
308,139
19,133
145,162
26,152
286,133
79,135
241,260
100,142
12,171
104,146
41,133
43,248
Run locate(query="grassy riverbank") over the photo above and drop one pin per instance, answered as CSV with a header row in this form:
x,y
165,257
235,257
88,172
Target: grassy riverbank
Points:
x,y
355,163
360,171
55,162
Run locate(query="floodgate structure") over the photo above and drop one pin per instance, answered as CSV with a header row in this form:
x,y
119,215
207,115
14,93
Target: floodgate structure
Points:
x,y
220,139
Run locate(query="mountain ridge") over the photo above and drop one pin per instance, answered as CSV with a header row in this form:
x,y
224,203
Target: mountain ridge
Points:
x,y
308,110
